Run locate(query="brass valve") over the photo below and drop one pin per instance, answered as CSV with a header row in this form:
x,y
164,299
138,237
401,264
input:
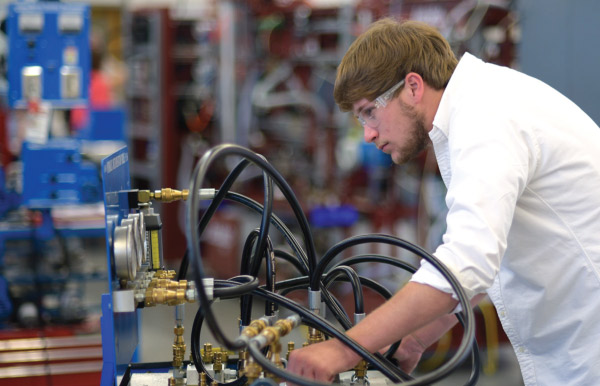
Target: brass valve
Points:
x,y
290,347
315,336
202,379
165,274
275,356
178,347
163,296
168,284
281,328
252,371
163,290
163,195
208,355
242,362
255,327
360,370
218,366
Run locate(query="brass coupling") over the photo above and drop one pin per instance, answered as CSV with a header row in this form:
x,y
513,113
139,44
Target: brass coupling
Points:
x,y
275,356
315,336
178,347
164,274
168,284
252,371
207,353
171,292
360,370
163,296
272,334
218,366
252,330
290,348
163,195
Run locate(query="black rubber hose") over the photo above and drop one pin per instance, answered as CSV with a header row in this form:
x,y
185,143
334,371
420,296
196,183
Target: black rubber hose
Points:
x,y
196,355
183,266
246,285
246,301
388,369
352,276
210,211
251,266
363,239
290,285
276,221
469,330
293,260
378,259
198,176
263,234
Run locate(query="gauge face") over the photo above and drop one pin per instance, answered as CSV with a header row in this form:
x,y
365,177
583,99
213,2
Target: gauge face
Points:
x,y
136,253
125,252
139,235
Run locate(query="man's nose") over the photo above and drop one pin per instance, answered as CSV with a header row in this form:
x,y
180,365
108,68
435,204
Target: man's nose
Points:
x,y
370,134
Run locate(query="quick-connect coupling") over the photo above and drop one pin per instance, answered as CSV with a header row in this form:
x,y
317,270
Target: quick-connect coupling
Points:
x,y
272,334
359,317
314,300
252,330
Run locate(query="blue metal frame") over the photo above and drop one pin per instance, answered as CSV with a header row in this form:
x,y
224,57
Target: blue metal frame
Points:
x,y
120,331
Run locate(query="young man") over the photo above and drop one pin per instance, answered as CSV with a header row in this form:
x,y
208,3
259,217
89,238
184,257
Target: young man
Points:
x,y
522,166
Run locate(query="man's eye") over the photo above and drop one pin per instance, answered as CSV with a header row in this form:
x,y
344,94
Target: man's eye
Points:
x,y
369,112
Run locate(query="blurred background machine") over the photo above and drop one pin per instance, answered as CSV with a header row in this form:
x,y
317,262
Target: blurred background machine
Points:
x,y
51,211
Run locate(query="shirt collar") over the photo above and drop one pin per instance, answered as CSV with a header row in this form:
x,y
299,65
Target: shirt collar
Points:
x,y
468,67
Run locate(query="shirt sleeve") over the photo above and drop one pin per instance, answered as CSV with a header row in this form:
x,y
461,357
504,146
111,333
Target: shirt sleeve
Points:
x,y
491,159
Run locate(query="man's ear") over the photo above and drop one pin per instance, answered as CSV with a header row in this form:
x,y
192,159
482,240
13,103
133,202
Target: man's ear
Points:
x,y
415,85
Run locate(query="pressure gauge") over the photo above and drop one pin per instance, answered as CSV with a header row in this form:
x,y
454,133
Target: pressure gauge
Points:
x,y
125,252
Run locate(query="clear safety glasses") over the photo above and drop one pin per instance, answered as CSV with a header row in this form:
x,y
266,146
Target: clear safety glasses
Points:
x,y
368,115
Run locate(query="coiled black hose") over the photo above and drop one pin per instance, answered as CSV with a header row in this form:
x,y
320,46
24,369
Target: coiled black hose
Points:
x,y
192,219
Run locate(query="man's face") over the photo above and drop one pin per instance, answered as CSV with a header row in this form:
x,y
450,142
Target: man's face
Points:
x,y
400,132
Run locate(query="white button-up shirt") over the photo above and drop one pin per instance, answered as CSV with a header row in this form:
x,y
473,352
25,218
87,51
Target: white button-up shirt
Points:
x,y
522,166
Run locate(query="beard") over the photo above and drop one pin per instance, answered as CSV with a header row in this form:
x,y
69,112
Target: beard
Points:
x,y
417,139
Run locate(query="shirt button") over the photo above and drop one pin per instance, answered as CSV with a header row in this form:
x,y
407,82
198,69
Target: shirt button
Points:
x,y
502,314
521,349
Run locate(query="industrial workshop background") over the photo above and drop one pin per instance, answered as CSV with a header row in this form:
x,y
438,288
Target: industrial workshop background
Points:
x,y
171,80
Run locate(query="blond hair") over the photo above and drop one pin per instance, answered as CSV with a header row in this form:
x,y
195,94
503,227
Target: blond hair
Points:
x,y
383,55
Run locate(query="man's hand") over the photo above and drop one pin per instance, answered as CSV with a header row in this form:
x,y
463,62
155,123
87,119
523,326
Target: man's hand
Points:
x,y
409,353
322,361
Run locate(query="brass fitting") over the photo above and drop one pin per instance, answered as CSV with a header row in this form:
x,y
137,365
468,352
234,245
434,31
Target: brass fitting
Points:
x,y
360,370
144,196
218,366
164,274
255,327
163,290
163,296
290,347
178,347
242,362
207,353
169,195
164,195
202,379
315,336
281,328
252,371
169,284
275,356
